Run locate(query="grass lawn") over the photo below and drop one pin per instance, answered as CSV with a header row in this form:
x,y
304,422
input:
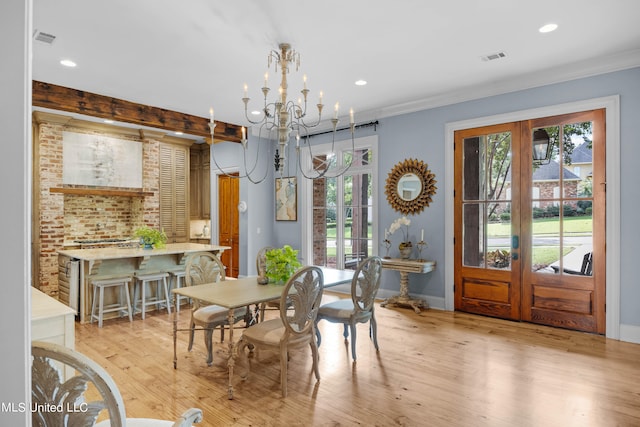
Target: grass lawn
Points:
x,y
547,226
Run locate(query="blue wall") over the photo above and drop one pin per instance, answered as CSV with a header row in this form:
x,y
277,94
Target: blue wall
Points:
x,y
422,134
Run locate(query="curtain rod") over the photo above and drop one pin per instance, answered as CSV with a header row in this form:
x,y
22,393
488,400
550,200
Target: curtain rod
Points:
x,y
374,124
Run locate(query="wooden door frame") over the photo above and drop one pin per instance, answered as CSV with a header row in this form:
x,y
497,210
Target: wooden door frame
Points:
x,y
611,104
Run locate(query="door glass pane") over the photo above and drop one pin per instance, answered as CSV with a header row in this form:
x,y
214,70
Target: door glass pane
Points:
x,y
499,236
473,248
486,179
324,220
545,238
498,159
562,230
576,157
473,178
358,238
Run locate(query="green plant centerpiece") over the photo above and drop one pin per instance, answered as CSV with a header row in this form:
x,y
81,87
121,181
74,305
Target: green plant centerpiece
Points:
x,y
150,237
281,263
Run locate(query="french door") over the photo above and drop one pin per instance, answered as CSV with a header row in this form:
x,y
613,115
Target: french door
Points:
x,y
529,233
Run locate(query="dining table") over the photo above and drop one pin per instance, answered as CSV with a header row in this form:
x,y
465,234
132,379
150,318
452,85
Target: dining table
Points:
x,y
233,294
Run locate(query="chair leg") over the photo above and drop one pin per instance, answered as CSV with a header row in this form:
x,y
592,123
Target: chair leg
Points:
x,y
316,357
373,330
143,292
318,336
262,308
101,307
353,341
345,332
93,303
284,353
126,295
208,341
192,332
166,294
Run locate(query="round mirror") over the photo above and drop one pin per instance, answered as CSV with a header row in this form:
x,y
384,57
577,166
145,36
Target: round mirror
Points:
x,y
410,185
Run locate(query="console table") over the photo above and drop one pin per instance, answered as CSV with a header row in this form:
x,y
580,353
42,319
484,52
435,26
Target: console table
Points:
x,y
406,266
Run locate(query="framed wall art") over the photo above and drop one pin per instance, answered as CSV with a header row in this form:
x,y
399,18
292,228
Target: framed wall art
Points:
x,y
101,161
286,199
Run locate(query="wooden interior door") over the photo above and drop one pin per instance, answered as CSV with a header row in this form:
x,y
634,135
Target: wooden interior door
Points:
x,y
529,234
228,221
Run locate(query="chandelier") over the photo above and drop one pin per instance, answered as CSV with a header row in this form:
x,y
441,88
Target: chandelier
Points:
x,y
283,121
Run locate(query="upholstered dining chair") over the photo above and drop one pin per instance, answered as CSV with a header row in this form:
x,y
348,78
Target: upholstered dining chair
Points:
x,y
67,395
295,328
360,307
200,268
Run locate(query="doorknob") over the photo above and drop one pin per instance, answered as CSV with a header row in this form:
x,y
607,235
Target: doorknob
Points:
x,y
515,244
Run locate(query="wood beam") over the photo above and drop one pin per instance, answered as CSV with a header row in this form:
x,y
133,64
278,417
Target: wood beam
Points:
x,y
55,97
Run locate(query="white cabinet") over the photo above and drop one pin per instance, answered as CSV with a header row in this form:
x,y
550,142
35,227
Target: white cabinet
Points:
x,y
51,320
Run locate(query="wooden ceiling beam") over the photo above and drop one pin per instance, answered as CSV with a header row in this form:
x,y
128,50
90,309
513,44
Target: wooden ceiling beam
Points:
x,y
61,98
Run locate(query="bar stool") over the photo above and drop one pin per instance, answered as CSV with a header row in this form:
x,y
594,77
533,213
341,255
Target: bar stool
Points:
x,y
141,283
175,282
122,283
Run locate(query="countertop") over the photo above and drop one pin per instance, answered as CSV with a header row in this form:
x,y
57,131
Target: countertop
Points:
x,y
115,253
45,307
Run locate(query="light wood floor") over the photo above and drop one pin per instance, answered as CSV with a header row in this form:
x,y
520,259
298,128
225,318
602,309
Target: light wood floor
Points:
x,y
433,369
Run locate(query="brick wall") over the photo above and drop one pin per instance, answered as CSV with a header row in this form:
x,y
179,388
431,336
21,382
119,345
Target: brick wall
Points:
x,y
64,218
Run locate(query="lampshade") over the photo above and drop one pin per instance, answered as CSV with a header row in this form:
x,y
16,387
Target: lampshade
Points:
x,y
541,145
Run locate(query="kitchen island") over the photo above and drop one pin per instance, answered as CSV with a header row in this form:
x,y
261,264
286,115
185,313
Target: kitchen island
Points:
x,y
114,261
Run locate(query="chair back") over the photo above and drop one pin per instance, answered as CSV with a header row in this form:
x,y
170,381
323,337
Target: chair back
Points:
x,y
365,284
261,264
49,389
261,260
203,267
300,301
587,264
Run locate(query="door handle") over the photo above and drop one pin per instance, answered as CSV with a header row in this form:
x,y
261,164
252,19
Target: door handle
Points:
x,y
515,244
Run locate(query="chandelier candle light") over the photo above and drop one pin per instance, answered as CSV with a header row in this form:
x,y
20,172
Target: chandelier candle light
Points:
x,y
283,119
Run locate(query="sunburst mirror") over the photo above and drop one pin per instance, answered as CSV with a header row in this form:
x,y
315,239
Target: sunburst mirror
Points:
x,y
410,185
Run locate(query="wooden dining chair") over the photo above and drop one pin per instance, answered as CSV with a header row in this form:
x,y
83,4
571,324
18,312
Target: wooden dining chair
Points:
x,y
295,328
200,268
360,308
67,394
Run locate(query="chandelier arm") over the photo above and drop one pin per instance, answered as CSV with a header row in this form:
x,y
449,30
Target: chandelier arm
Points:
x,y
285,117
248,173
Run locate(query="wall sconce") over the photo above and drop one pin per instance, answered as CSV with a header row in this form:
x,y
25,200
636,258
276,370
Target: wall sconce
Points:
x,y
541,146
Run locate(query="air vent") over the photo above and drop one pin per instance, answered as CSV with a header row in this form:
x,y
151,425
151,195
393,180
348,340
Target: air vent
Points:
x,y
44,37
494,56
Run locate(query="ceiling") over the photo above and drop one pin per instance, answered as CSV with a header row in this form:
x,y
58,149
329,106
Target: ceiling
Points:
x,y
189,56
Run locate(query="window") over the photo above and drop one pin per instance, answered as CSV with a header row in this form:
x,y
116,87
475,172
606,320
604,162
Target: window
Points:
x,y
339,227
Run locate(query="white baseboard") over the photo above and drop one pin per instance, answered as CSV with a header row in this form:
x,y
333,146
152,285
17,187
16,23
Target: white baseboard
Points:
x,y
630,333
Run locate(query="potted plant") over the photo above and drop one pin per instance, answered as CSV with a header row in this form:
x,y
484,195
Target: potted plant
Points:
x,y
150,237
281,263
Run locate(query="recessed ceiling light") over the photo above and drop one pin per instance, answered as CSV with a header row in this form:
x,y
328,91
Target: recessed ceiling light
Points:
x,y
361,82
548,28
68,63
